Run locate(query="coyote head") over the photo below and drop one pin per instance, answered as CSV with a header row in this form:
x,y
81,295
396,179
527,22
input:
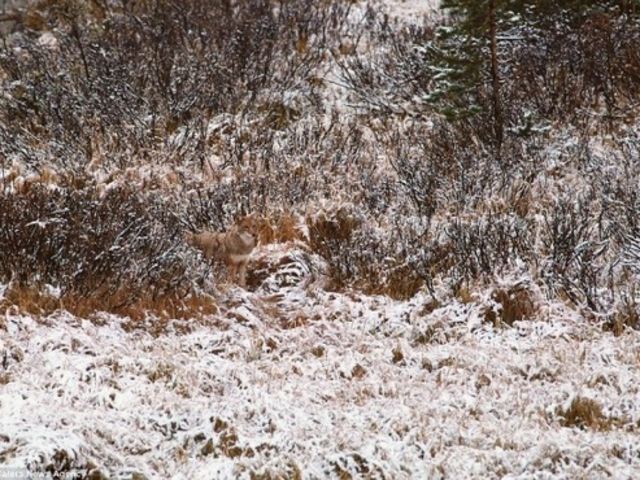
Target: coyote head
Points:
x,y
248,224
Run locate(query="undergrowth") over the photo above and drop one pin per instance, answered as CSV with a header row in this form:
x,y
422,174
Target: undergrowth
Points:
x,y
75,249
115,139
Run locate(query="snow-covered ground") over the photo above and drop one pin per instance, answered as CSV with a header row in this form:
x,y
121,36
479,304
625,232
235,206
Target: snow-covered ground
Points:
x,y
291,381
412,10
298,382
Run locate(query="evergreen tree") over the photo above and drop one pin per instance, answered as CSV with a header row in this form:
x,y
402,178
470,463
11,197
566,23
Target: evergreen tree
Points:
x,y
466,61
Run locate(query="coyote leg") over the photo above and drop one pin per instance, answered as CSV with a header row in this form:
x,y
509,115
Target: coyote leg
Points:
x,y
243,274
233,271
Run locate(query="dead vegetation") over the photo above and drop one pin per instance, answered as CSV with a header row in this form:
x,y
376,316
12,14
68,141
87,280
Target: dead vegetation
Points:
x,y
73,249
585,413
511,304
114,140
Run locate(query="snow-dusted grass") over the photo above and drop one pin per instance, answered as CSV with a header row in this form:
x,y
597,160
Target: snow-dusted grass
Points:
x,y
360,387
497,378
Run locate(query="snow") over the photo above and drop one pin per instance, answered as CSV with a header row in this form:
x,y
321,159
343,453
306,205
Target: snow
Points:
x,y
294,381
356,386
412,10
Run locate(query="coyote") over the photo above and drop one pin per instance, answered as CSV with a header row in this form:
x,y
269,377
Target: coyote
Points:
x,y
233,246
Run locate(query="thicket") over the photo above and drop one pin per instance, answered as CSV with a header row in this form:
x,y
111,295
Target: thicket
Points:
x,y
540,199
555,62
403,187
119,83
76,249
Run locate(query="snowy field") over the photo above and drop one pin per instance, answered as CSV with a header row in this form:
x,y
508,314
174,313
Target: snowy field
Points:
x,y
292,380
296,382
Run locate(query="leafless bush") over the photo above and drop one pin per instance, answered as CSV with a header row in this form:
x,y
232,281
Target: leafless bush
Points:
x,y
114,250
578,63
306,162
449,167
487,245
420,174
123,78
233,92
591,235
574,263
562,66
393,76
361,256
615,176
217,208
401,260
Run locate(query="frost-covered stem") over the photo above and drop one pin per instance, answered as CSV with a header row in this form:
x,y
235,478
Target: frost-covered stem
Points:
x,y
75,32
495,77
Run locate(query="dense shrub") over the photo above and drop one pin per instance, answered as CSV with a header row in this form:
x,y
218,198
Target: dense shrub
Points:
x,y
557,64
89,78
114,250
236,105
362,256
573,65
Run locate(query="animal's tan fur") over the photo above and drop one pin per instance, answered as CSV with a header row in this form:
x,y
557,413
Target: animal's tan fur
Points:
x,y
233,246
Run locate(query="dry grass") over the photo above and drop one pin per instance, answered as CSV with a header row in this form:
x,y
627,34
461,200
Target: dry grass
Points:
x,y
173,307
363,468
516,303
398,281
30,300
290,471
359,257
279,228
627,315
338,226
585,413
